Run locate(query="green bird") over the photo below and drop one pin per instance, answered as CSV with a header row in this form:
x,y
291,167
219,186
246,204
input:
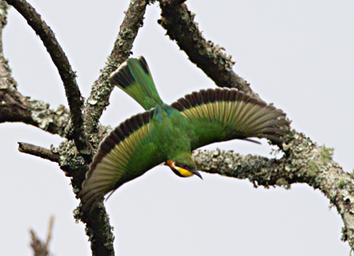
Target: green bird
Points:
x,y
169,133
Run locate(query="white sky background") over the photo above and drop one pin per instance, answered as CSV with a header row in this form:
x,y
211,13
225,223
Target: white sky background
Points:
x,y
297,54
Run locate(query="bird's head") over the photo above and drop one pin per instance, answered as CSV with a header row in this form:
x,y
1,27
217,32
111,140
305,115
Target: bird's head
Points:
x,y
183,169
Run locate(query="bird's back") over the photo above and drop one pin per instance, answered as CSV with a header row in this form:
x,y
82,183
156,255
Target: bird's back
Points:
x,y
172,129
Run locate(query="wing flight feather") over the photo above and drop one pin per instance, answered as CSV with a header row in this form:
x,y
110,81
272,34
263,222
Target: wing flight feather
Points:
x,y
224,114
124,154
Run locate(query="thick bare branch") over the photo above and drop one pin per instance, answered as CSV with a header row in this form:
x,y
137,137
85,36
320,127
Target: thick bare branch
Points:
x,y
14,107
304,161
180,26
98,230
101,89
97,223
17,108
66,73
38,151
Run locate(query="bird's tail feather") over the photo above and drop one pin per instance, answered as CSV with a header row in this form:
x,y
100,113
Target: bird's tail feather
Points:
x,y
134,77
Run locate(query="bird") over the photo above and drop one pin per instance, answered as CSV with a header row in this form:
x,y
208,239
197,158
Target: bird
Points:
x,y
167,134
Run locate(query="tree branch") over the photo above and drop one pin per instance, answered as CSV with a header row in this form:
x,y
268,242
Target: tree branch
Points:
x,y
38,151
181,27
14,107
102,88
66,73
173,3
304,160
42,248
97,223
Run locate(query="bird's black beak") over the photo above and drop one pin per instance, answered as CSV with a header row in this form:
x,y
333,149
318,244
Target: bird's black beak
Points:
x,y
195,172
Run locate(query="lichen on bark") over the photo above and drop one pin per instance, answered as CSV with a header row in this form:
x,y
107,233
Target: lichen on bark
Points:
x,y
303,161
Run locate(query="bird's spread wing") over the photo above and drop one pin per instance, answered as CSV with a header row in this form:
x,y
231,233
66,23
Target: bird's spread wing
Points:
x,y
224,114
126,153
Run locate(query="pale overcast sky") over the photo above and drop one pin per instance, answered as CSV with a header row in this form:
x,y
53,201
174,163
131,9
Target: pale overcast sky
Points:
x,y
297,54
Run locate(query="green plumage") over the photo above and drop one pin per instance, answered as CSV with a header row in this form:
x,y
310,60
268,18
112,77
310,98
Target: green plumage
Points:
x,y
134,77
171,132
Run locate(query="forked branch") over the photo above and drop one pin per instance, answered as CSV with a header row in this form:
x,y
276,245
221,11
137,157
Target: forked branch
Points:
x,y
63,66
102,88
39,247
303,162
97,222
15,107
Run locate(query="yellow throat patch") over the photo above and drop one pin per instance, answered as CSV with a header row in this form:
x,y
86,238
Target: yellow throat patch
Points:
x,y
179,170
183,172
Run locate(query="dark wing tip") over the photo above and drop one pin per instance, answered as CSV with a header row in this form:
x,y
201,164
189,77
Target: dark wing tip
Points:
x,y
118,134
91,193
273,128
213,95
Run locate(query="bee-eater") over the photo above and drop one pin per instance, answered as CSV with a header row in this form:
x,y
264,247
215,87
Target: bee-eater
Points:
x,y
168,133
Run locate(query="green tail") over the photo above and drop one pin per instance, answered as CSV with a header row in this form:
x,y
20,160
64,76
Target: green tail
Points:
x,y
134,77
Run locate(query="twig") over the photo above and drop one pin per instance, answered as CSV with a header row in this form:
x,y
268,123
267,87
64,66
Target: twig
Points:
x,y
42,248
38,151
101,89
66,73
50,231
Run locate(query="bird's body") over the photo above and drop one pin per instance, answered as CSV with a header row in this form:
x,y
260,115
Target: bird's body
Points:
x,y
168,133
171,124
169,137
